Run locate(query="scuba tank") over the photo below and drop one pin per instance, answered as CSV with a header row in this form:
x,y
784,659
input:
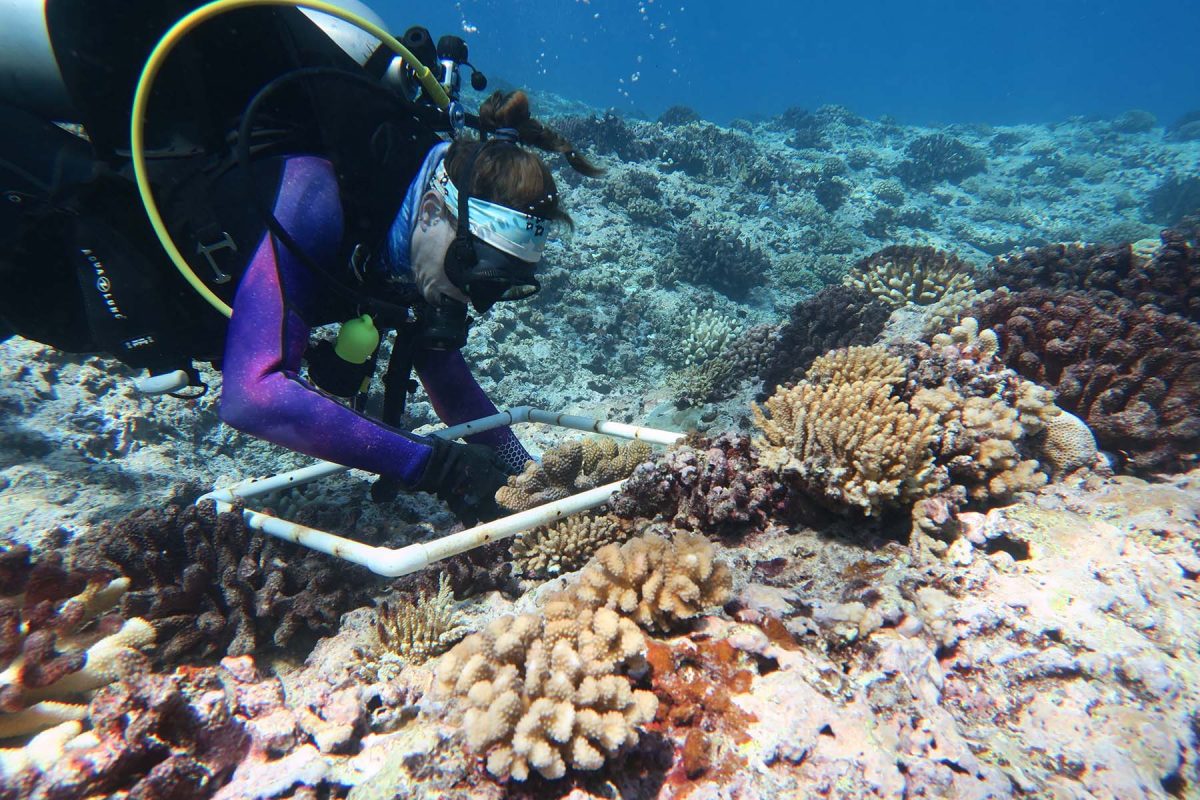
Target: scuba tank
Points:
x,y
31,75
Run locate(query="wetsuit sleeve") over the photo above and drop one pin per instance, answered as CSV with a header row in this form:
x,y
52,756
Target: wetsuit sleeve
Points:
x,y
457,397
263,394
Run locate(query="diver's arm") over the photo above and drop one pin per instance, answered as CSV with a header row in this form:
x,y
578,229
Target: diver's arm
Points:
x,y
457,397
263,395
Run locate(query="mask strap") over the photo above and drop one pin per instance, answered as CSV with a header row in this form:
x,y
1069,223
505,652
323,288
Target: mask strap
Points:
x,y
464,247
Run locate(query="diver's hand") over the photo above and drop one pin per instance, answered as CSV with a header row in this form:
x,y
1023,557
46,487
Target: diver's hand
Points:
x,y
465,477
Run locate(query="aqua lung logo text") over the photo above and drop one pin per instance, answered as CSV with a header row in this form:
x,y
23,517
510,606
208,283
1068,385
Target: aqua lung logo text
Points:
x,y
103,284
141,341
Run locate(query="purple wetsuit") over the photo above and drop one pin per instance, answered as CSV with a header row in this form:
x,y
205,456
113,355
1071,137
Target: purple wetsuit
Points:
x,y
277,298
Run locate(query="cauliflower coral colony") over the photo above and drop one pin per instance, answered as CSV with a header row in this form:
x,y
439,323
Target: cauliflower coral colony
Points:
x,y
883,483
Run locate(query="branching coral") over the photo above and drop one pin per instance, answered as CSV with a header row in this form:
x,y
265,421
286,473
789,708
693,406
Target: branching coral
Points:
x,y
544,693
550,691
902,274
209,584
1166,275
1131,373
709,485
977,442
415,632
836,316
57,642
655,581
855,364
939,157
872,429
705,337
966,336
711,255
849,444
566,546
1170,278
569,468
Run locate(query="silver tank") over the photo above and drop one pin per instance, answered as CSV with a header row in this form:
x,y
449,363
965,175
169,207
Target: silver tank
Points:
x,y
29,74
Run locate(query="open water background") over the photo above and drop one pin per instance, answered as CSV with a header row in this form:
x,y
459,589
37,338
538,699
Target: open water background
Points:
x,y
920,61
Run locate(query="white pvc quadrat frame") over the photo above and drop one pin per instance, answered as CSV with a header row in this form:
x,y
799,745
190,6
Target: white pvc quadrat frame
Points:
x,y
394,562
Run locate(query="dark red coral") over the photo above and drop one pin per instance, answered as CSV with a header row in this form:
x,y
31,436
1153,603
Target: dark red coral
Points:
x,y
1131,372
1170,280
1073,265
836,316
159,737
713,486
210,585
37,611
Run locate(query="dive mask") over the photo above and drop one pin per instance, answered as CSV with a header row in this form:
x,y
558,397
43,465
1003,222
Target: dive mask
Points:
x,y
494,257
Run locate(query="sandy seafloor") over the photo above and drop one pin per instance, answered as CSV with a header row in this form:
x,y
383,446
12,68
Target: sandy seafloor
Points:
x,y
1073,672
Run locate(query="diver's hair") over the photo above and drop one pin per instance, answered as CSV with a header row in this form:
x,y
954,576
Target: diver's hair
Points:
x,y
507,174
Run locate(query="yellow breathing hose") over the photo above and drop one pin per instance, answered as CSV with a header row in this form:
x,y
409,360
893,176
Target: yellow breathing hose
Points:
x,y
170,39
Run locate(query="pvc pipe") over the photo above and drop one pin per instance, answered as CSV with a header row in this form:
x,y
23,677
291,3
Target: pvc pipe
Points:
x,y
529,414
394,562
254,487
162,384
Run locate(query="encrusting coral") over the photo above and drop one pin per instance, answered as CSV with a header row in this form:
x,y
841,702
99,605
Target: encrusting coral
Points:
x,y
415,632
209,584
570,468
57,641
565,546
902,274
657,582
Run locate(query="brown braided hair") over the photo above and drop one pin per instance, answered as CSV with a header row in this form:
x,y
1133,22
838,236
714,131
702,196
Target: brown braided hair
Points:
x,y
506,173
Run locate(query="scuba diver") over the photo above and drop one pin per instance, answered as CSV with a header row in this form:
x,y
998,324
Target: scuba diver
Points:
x,y
307,176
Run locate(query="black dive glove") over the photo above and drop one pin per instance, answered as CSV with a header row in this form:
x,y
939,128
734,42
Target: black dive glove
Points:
x,y
465,477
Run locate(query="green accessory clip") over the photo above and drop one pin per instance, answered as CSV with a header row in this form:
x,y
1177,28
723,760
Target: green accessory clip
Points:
x,y
357,340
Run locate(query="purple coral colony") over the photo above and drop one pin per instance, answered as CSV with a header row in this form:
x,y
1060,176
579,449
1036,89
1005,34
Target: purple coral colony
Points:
x,y
935,531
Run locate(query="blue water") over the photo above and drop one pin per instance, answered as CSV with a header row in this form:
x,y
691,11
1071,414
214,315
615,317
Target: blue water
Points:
x,y
921,61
